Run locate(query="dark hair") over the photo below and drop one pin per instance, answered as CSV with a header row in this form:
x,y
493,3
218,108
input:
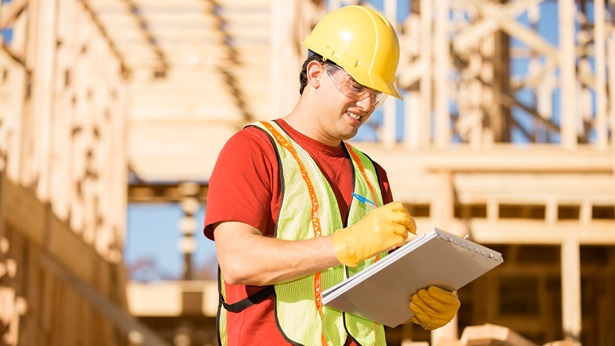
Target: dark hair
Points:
x,y
303,75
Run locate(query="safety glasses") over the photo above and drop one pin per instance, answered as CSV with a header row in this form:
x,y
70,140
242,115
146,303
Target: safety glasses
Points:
x,y
345,84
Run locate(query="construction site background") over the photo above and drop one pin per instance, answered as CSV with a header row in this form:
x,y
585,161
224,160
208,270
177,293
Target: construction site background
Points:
x,y
506,135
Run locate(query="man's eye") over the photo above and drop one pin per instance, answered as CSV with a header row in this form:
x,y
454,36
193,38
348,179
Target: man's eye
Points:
x,y
356,87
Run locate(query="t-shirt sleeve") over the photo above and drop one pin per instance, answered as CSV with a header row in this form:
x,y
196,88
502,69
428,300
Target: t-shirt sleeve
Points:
x,y
240,186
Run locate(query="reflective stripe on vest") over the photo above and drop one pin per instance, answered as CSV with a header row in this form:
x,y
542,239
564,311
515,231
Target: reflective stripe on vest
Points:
x,y
299,311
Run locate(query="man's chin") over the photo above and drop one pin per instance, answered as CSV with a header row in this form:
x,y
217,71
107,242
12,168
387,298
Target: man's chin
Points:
x,y
349,136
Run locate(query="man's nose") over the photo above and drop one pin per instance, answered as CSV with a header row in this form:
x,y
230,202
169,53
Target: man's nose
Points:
x,y
366,103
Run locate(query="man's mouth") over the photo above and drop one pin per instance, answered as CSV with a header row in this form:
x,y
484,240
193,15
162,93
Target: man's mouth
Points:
x,y
354,116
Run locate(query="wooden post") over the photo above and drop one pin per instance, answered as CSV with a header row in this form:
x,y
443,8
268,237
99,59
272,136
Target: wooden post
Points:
x,y
474,114
488,89
443,213
441,70
600,72
188,225
284,71
425,103
43,19
493,210
545,105
389,135
414,124
568,84
2,201
412,120
610,56
571,290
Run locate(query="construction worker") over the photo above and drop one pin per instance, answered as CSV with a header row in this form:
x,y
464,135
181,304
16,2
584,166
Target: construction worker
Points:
x,y
280,205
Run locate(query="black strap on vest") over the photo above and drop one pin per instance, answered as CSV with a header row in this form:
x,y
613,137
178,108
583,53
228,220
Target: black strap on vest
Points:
x,y
249,301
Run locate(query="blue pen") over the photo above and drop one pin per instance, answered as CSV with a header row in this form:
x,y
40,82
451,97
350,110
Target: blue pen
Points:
x,y
365,201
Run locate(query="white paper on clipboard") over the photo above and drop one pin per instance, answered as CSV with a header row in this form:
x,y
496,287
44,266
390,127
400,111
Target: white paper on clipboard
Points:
x,y
381,293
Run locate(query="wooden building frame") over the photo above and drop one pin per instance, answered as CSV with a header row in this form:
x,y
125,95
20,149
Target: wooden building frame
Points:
x,y
91,90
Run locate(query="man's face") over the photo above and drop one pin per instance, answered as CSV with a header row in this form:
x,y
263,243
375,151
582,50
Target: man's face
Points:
x,y
348,104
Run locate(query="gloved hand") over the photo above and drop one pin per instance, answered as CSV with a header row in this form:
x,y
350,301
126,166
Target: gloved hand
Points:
x,y
434,307
382,229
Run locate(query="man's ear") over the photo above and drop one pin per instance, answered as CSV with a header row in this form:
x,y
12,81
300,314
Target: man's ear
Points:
x,y
315,71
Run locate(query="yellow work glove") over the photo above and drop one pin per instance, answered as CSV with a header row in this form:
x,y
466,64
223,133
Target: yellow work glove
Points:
x,y
382,229
434,307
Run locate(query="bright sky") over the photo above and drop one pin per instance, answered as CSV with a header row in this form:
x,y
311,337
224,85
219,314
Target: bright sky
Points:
x,y
153,232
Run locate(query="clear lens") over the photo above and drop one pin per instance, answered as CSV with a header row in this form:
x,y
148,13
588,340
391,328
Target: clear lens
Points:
x,y
345,84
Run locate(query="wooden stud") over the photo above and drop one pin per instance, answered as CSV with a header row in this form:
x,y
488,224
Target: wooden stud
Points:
x,y
426,56
441,72
571,290
568,84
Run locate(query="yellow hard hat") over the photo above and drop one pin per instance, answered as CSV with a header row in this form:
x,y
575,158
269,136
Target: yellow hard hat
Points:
x,y
362,42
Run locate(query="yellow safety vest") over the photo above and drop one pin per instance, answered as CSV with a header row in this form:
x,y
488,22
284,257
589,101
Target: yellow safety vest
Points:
x,y
300,314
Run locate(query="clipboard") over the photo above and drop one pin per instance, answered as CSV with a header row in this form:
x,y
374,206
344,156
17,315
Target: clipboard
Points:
x,y
381,293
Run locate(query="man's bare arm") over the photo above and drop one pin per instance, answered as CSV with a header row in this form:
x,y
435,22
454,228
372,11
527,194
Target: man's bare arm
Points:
x,y
246,257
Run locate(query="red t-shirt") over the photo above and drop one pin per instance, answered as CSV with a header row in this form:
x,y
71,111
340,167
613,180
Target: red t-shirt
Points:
x,y
245,186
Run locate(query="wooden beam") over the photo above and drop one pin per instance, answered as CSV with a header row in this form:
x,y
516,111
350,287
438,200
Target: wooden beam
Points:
x,y
540,233
69,249
241,3
508,100
107,3
150,38
534,78
499,158
120,318
14,55
181,161
23,210
410,73
10,11
178,298
472,34
491,334
529,37
143,192
96,20
546,270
